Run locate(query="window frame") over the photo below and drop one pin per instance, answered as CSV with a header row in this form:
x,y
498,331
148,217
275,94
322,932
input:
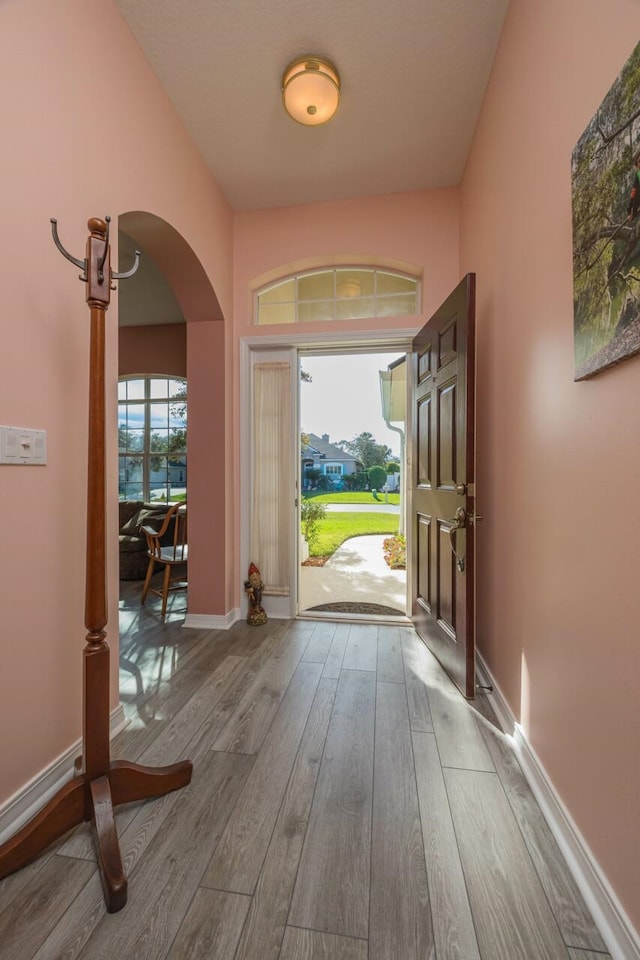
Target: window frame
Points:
x,y
145,455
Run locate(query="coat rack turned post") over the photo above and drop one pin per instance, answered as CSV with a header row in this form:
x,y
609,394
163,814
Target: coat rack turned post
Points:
x,y
103,783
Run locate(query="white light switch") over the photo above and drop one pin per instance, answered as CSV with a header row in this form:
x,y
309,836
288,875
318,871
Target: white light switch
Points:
x,y
21,445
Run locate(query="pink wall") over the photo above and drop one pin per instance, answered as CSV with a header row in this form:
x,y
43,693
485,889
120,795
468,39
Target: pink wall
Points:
x,y
210,568
559,465
153,348
64,125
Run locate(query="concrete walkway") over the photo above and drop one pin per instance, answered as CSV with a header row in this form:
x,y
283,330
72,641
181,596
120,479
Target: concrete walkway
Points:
x,y
356,573
362,507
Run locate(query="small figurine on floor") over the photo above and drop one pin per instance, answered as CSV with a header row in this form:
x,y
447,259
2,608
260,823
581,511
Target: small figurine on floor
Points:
x,y
254,587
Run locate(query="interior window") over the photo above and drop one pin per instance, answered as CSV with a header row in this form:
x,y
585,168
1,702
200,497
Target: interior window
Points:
x,y
152,438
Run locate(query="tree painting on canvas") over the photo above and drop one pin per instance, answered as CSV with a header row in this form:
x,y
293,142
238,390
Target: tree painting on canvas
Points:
x,y
605,168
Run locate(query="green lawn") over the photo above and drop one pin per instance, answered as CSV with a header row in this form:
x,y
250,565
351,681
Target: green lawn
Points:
x,y
335,528
351,497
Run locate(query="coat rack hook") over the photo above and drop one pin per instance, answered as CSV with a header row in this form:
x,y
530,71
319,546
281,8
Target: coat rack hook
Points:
x,y
56,239
128,273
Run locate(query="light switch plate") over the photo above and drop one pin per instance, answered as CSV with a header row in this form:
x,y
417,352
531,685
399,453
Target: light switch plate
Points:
x,y
22,445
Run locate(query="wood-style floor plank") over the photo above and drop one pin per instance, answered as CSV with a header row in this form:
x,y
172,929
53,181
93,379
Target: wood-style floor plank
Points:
x,y
390,667
148,714
248,725
37,909
588,955
575,922
311,945
460,743
320,642
73,929
172,744
267,919
13,886
238,858
416,681
333,663
400,920
332,889
165,881
453,929
362,647
212,926
511,913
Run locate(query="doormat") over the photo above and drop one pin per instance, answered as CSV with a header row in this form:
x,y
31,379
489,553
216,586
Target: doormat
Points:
x,y
376,609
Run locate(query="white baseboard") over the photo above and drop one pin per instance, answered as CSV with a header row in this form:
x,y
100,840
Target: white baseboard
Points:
x,y
621,938
26,802
205,621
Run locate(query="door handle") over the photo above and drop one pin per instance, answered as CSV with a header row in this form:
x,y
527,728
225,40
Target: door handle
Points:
x,y
458,522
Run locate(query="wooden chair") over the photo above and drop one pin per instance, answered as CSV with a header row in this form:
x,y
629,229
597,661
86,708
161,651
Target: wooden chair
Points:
x,y
167,547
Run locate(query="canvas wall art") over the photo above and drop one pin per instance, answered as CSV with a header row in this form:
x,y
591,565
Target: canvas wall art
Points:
x,y
605,171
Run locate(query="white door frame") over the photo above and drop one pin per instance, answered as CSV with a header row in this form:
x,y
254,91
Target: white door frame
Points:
x,y
293,343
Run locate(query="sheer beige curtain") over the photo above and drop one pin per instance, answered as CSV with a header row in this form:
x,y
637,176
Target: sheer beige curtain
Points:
x,y
271,512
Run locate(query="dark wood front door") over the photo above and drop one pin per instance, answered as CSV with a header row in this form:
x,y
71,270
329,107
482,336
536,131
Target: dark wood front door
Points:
x,y
443,482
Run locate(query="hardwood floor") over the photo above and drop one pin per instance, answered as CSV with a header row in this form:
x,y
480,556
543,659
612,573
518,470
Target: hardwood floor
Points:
x,y
346,804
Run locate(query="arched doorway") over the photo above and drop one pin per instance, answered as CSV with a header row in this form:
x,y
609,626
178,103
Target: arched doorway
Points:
x,y
175,327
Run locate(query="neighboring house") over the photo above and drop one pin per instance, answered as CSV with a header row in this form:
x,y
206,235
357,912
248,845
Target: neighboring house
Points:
x,y
320,454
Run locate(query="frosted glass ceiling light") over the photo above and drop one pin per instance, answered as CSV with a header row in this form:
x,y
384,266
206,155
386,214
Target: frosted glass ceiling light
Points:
x,y
311,90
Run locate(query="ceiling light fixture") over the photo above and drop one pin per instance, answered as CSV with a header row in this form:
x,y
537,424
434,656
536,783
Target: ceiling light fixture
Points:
x,y
311,90
350,287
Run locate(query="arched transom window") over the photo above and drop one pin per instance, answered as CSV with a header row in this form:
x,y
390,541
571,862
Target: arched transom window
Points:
x,y
339,294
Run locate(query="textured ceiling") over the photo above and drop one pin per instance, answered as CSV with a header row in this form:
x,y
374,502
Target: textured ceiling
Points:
x,y
413,77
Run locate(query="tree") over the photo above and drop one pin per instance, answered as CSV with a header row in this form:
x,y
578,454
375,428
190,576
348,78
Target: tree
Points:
x,y
377,477
365,449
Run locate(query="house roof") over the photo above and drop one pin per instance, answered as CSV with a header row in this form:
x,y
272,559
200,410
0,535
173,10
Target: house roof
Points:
x,y
322,447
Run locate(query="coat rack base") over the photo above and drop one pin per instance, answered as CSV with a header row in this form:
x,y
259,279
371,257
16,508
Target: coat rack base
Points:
x,y
82,800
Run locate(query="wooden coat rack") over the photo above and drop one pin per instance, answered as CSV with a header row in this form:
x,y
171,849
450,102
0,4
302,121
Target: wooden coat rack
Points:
x,y
103,783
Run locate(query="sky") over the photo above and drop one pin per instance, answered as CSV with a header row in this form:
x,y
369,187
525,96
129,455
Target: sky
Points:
x,y
343,398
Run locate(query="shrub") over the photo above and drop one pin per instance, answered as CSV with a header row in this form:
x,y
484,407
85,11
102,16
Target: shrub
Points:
x,y
355,481
395,552
377,477
311,513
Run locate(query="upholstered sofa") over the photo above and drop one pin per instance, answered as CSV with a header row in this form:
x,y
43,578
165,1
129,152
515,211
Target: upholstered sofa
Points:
x,y
133,545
